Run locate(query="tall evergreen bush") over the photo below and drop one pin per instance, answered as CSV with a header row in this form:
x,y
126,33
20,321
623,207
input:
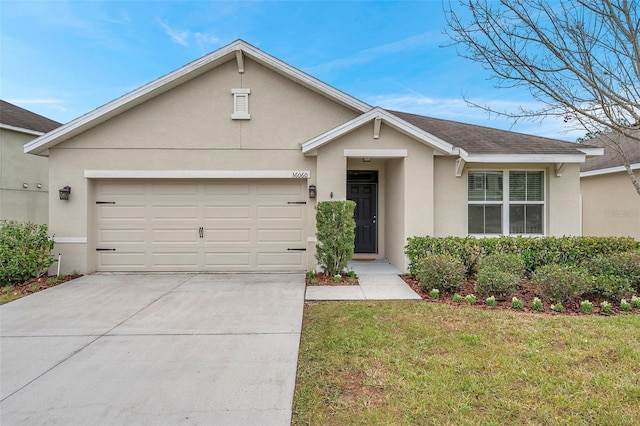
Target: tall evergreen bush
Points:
x,y
336,235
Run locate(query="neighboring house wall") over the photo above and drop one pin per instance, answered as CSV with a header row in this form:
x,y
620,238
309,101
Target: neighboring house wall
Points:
x,y
18,170
611,206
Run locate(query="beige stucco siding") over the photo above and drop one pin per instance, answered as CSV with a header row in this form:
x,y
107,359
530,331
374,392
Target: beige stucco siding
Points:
x,y
16,170
610,205
562,199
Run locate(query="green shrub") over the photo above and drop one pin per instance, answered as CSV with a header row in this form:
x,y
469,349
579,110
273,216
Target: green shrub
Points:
x,y
610,287
535,252
586,306
536,305
516,303
559,283
434,293
624,305
635,302
605,307
25,251
336,235
557,307
506,262
456,298
495,281
470,299
626,264
491,301
441,271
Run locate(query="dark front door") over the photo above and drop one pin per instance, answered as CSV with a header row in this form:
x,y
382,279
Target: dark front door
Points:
x,y
365,197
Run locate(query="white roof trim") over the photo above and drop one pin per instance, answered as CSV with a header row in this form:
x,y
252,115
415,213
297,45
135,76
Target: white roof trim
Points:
x,y
197,174
375,153
591,151
389,119
179,76
617,169
522,158
21,130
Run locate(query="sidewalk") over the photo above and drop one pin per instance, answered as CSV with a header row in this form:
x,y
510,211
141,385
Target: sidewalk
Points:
x,y
378,279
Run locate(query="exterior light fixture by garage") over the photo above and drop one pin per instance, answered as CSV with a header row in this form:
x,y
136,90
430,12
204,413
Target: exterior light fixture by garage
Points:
x,y
366,160
312,191
64,192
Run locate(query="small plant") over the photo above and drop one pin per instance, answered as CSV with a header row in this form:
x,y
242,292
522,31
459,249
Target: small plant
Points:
x,y
557,307
6,289
470,299
605,307
635,302
536,305
313,281
457,298
352,273
76,273
337,278
34,287
497,282
491,301
516,303
352,280
311,274
53,280
559,283
434,293
441,271
624,305
586,306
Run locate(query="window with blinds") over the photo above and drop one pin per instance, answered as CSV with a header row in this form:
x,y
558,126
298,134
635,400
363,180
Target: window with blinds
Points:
x,y
506,202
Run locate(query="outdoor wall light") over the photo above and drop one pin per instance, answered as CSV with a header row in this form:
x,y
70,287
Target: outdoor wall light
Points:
x,y
312,191
366,160
64,192
25,185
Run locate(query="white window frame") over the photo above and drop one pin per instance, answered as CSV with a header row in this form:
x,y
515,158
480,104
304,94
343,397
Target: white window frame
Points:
x,y
506,203
240,97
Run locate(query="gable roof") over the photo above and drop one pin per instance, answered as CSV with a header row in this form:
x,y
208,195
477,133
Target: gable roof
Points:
x,y
233,51
21,120
386,117
611,161
479,142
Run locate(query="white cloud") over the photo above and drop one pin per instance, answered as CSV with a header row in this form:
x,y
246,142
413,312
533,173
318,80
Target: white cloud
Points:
x,y
373,53
184,37
179,37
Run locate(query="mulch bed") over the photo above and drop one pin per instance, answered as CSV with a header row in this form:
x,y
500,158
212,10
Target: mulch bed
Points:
x,y
35,285
525,292
324,279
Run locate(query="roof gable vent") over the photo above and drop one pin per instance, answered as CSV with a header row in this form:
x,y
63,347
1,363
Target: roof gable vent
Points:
x,y
240,104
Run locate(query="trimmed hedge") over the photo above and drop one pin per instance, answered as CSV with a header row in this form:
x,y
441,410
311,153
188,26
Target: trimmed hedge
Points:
x,y
25,251
441,271
534,251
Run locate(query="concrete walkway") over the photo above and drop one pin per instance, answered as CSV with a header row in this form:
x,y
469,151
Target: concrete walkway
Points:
x,y
118,349
378,279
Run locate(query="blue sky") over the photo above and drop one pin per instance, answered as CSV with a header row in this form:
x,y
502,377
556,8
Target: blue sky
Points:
x,y
63,59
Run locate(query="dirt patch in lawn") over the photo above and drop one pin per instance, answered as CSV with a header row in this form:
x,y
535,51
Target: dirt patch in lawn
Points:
x,y
526,293
34,285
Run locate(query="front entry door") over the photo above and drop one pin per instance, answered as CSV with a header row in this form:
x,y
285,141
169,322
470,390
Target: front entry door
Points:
x,y
365,197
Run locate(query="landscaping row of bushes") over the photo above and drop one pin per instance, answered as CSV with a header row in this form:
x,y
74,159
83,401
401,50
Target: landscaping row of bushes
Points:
x,y
560,268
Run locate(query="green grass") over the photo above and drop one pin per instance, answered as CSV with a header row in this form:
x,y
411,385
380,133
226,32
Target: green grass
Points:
x,y
423,363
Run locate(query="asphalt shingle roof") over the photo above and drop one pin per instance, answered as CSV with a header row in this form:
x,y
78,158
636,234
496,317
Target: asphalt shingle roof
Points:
x,y
485,140
12,115
611,158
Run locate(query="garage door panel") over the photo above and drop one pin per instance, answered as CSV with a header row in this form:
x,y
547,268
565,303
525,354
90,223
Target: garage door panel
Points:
x,y
122,213
280,236
280,212
221,235
121,236
176,212
200,226
291,260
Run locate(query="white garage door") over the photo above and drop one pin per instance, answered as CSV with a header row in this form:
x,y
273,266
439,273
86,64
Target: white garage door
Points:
x,y
213,225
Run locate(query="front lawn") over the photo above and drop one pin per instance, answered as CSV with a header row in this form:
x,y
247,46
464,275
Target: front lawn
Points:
x,y
410,362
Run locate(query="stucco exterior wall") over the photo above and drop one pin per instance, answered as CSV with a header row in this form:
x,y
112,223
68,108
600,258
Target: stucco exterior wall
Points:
x,y
610,206
190,128
395,235
17,169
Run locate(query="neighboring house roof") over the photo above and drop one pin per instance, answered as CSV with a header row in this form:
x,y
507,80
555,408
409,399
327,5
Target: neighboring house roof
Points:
x,y
611,161
235,50
21,120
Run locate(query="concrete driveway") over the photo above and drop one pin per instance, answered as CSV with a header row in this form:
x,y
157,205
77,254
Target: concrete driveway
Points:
x,y
153,349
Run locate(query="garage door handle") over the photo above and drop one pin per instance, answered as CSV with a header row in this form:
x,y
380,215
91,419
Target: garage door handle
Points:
x,y
297,249
105,249
201,232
